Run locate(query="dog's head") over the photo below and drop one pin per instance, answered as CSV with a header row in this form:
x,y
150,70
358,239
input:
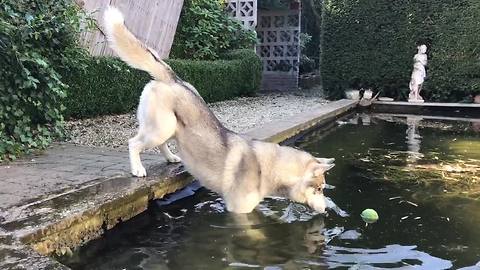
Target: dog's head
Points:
x,y
314,183
305,178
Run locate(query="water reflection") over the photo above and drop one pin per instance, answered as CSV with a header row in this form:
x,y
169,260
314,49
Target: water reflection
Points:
x,y
261,247
255,246
413,139
391,256
363,119
476,126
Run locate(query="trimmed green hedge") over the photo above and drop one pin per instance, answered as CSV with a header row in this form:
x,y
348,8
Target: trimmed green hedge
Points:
x,y
109,86
104,86
372,43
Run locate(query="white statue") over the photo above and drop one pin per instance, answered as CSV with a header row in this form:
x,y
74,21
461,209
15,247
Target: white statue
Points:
x,y
418,74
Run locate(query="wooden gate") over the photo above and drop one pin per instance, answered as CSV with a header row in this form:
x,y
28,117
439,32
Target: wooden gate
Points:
x,y
154,22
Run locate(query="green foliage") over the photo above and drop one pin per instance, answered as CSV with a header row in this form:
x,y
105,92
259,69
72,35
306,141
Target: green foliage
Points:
x,y
205,31
238,75
310,35
104,86
307,62
37,40
109,86
274,4
372,43
455,59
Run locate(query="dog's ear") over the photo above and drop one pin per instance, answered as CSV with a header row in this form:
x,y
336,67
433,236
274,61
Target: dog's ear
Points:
x,y
326,167
320,168
325,160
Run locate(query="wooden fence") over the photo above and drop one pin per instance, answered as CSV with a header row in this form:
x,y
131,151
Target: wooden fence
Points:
x,y
154,22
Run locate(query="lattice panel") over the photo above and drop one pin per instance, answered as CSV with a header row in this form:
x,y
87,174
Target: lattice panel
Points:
x,y
278,41
278,33
244,11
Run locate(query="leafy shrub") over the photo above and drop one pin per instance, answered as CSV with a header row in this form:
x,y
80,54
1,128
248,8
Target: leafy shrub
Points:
x,y
372,43
307,63
109,86
205,32
310,35
37,40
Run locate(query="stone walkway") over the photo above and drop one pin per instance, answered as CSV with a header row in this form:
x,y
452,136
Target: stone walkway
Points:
x,y
61,168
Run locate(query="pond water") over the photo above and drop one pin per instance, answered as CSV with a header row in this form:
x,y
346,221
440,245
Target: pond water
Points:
x,y
422,176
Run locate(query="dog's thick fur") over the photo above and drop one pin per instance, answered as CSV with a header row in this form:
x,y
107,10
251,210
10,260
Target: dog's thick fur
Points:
x,y
418,74
243,171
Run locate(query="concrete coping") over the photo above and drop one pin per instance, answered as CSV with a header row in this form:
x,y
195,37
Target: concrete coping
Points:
x,y
428,108
429,104
281,130
429,117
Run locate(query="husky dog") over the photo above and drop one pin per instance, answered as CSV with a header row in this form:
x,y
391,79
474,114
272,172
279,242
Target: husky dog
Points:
x,y
241,170
418,74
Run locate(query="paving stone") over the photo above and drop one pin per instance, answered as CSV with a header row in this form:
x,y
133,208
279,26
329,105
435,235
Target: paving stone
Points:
x,y
61,167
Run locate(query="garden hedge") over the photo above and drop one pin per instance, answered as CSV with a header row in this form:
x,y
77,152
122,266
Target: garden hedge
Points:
x,y
108,86
372,43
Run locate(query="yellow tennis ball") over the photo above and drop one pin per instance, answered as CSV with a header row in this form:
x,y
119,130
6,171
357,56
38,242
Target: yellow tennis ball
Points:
x,y
369,215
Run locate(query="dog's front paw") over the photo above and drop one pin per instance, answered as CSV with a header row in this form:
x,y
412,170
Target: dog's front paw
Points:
x,y
174,159
139,171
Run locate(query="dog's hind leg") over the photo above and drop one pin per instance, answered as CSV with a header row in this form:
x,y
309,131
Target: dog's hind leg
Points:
x,y
171,157
150,137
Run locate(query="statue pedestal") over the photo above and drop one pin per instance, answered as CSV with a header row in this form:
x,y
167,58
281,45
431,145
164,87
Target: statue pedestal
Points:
x,y
476,99
413,100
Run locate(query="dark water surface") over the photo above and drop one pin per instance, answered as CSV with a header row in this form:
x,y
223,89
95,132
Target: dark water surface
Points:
x,y
421,176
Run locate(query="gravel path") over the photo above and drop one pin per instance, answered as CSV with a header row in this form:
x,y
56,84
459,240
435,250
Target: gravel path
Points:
x,y
239,115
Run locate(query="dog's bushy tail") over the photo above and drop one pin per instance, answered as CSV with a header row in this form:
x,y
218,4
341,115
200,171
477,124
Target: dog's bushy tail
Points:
x,y
131,50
